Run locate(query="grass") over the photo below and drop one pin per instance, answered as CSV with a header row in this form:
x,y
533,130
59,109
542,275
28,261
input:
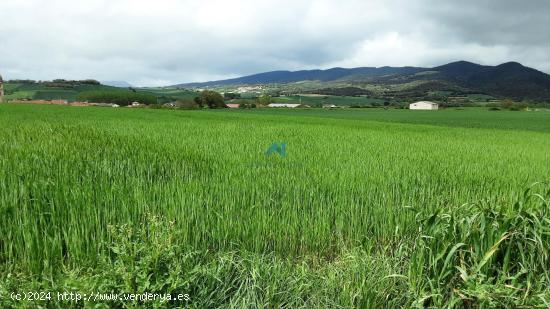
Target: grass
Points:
x,y
369,207
473,118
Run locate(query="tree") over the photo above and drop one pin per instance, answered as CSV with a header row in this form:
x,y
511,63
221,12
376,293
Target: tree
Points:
x,y
119,96
507,103
265,99
186,103
198,101
212,99
231,95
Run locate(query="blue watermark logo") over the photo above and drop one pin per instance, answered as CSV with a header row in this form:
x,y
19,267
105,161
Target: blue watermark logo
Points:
x,y
276,148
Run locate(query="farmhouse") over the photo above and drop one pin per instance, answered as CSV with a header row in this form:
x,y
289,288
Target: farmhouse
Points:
x,y
232,105
136,104
1,89
287,105
424,105
105,104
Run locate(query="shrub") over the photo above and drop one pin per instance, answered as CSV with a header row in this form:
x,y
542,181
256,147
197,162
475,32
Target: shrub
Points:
x,y
187,103
246,103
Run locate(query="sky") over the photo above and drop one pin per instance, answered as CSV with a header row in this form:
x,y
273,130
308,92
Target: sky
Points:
x,y
166,42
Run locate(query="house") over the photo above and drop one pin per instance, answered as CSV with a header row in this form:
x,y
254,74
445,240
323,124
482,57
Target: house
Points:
x,y
424,105
232,105
287,105
105,104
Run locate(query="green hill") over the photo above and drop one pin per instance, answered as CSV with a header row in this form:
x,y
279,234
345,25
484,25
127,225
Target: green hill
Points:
x,y
508,80
29,90
72,90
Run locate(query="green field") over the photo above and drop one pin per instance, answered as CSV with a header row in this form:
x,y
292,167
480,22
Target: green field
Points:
x,y
463,118
327,99
172,92
369,207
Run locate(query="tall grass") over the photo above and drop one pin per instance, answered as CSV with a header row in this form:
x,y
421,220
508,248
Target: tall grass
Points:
x,y
485,254
325,226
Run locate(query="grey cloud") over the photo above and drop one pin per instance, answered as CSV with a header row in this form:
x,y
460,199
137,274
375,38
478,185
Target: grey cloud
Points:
x,y
172,41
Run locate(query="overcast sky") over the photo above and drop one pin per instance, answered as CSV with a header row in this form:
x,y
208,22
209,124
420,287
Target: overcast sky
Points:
x,y
165,42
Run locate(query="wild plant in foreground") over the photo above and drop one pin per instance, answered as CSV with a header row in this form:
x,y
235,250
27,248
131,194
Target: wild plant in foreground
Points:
x,y
483,255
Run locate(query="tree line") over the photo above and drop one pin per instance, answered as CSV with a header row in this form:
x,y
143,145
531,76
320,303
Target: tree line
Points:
x,y
120,97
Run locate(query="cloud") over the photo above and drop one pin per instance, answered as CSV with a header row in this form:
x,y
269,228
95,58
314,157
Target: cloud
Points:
x,y
170,41
403,50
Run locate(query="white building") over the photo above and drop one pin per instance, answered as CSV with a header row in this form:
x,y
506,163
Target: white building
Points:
x,y
424,105
286,105
105,104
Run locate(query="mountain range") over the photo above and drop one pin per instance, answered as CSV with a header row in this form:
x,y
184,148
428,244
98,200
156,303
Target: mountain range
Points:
x,y
510,79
